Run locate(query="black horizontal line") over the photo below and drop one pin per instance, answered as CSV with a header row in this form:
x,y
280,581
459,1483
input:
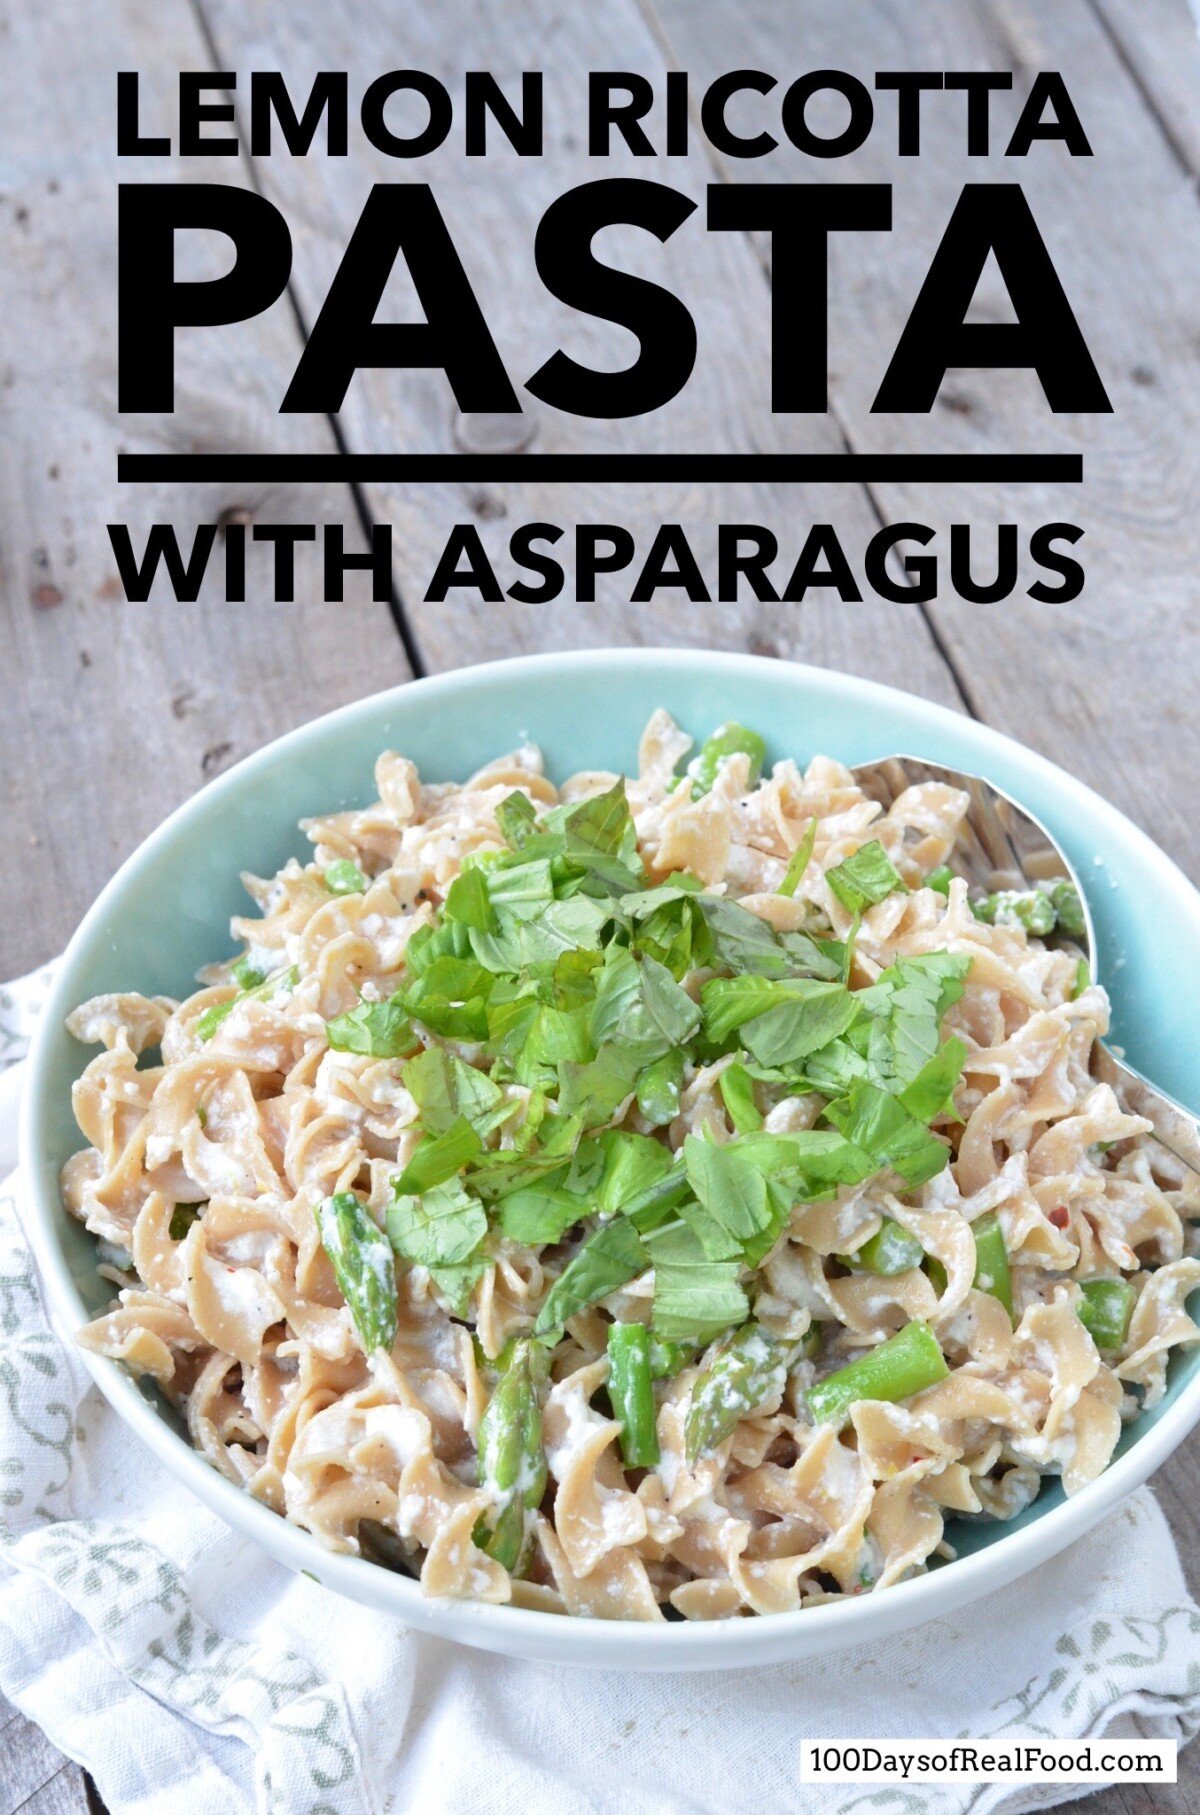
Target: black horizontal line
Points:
x,y
1013,469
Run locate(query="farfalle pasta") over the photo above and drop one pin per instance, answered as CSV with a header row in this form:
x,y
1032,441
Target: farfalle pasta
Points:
x,y
667,1196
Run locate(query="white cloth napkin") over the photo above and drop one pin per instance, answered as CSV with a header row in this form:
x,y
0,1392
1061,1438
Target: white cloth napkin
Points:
x,y
187,1672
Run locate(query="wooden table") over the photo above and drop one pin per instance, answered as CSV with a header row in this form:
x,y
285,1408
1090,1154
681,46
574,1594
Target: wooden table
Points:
x,y
116,712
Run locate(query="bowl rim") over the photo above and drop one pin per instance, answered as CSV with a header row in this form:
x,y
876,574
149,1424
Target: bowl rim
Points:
x,y
526,1631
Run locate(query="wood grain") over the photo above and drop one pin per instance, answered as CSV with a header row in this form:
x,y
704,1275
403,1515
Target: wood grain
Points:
x,y
69,1792
1159,41
724,406
28,1763
120,710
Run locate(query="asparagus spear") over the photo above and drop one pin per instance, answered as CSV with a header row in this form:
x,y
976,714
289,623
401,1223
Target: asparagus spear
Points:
x,y
727,740
750,1368
511,1463
1030,908
631,1391
361,1256
905,1364
891,1250
1056,908
669,1358
345,878
1068,908
1105,1306
991,1260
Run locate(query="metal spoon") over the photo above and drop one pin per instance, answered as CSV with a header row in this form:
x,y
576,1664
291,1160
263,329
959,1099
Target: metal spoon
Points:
x,y
1002,846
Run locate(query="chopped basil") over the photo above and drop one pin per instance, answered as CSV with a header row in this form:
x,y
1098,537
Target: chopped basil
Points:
x,y
864,879
441,1227
380,1029
695,1299
608,1259
799,861
737,1093
439,1157
658,1089
570,987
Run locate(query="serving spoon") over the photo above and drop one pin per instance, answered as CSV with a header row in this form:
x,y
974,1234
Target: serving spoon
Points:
x,y
1002,846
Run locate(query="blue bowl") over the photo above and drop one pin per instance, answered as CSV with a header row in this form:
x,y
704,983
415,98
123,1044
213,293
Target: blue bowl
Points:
x,y
167,911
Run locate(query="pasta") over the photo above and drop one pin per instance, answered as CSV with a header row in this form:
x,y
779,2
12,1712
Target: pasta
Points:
x,y
654,1197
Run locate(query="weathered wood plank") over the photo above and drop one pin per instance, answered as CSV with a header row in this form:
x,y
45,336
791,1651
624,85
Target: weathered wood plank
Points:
x,y
492,210
1083,682
116,712
28,1762
66,1793
1160,43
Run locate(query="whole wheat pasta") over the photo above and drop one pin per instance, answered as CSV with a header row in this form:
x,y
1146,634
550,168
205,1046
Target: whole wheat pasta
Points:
x,y
530,1203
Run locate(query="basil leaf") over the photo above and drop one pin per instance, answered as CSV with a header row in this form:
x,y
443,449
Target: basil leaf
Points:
x,y
381,1029
441,1227
658,1202
450,998
618,995
540,1213
517,820
609,1259
457,1283
737,1093
559,927
469,902
737,1214
931,1092
834,1068
595,1091
827,959
428,943
438,1157
741,941
871,1119
445,1087
695,1299
523,888
729,1001
601,838
867,877
799,861
820,1160
641,1007
907,1003
632,1164
658,1089
800,1023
